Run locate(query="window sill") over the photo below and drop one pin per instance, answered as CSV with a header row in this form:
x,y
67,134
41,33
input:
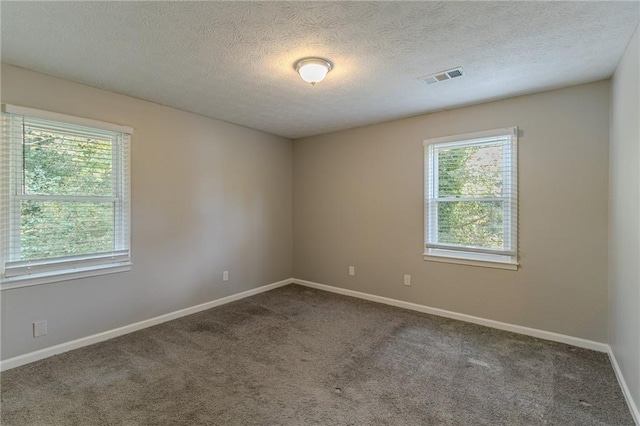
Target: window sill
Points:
x,y
63,275
468,259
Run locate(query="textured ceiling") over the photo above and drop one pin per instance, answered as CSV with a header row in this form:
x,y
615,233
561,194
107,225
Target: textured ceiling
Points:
x,y
233,60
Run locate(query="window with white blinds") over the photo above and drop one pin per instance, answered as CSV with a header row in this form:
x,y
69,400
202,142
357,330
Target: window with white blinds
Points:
x,y
471,197
65,207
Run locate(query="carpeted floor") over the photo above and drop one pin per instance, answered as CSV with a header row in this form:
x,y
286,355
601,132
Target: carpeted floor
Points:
x,y
297,356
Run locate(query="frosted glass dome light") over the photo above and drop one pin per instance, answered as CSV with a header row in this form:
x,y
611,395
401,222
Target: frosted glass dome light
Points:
x,y
313,70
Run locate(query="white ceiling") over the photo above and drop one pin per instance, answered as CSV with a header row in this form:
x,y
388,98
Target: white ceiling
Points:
x,y
234,60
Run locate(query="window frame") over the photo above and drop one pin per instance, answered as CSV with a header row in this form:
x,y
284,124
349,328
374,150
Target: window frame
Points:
x,y
474,256
20,273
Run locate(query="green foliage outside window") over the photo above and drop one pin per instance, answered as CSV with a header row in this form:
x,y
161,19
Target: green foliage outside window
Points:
x,y
470,172
58,164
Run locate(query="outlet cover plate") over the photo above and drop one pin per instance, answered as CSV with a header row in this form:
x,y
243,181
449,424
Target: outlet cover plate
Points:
x,y
39,328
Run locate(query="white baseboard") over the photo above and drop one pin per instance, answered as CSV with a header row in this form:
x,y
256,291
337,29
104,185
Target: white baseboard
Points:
x,y
110,334
635,412
546,335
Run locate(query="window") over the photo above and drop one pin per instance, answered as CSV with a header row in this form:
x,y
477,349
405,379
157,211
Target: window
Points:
x,y
471,198
64,184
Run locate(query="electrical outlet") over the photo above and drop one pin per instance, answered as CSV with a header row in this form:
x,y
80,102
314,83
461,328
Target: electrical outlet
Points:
x,y
407,280
225,276
39,328
352,270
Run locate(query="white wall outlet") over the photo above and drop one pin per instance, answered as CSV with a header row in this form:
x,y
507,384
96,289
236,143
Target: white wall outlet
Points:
x,y
352,270
225,276
407,280
39,328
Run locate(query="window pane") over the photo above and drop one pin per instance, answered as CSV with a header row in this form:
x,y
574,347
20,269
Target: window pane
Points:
x,y
65,228
471,171
58,163
471,223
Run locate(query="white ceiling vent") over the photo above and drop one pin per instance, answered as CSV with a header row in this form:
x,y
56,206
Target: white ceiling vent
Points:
x,y
443,75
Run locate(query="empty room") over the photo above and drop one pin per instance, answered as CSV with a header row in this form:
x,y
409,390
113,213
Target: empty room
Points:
x,y
320,213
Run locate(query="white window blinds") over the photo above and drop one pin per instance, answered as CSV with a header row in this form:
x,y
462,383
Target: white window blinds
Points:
x,y
65,195
471,196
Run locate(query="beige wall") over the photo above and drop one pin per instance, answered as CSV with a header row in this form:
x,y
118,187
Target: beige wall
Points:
x,y
624,254
358,200
207,196
210,196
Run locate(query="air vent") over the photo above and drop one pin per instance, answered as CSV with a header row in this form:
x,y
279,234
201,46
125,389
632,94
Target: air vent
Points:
x,y
443,75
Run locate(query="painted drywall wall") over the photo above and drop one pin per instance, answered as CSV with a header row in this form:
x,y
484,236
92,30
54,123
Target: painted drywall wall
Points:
x,y
358,200
624,245
207,196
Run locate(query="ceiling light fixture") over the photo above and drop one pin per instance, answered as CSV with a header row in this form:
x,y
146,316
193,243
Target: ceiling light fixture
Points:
x,y
313,70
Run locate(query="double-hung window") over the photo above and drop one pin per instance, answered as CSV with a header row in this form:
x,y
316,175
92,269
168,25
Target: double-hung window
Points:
x,y
64,206
471,198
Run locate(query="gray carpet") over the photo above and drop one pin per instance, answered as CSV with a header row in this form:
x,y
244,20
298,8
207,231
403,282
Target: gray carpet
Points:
x,y
297,356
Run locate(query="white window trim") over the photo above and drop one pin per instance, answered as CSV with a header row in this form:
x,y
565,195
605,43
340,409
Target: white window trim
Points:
x,y
79,266
472,256
64,118
471,259
63,275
